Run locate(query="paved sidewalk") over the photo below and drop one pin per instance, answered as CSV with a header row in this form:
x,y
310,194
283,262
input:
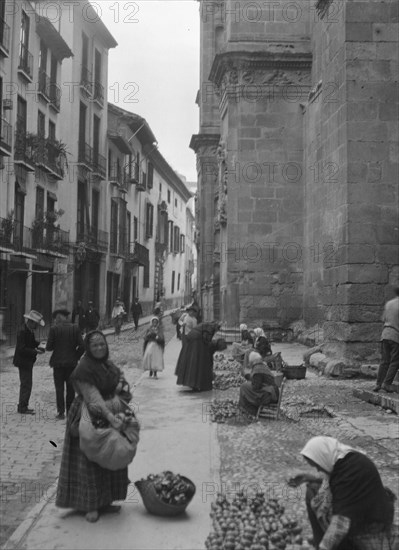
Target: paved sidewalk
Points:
x,y
174,436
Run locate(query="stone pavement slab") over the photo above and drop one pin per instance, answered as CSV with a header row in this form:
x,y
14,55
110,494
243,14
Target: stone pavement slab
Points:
x,y
386,400
175,436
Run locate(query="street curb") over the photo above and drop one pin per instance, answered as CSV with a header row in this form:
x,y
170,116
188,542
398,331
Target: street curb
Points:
x,y
15,542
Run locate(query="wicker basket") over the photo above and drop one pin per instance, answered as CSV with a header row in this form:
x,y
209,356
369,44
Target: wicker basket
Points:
x,y
155,505
294,372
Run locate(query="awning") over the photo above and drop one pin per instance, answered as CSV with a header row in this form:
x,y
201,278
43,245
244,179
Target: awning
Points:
x,y
52,38
52,195
21,186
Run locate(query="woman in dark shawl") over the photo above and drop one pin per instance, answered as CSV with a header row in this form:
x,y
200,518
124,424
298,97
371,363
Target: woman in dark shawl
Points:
x,y
261,389
82,484
350,509
195,363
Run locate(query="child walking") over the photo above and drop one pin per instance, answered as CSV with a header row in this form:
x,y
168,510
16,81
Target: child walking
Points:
x,y
154,344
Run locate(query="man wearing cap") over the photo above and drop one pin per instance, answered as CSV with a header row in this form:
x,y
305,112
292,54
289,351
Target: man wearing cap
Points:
x,y
66,343
26,351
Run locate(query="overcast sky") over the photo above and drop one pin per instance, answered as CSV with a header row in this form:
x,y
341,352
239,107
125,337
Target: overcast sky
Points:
x,y
154,70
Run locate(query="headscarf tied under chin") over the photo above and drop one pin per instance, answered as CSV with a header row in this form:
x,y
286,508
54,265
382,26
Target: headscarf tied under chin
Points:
x,y
259,332
325,451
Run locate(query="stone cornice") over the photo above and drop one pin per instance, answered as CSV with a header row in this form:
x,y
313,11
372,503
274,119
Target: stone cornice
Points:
x,y
257,61
204,141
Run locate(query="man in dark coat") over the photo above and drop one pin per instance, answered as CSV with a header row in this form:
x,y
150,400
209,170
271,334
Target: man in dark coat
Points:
x,y
137,310
92,318
66,343
195,364
26,351
79,312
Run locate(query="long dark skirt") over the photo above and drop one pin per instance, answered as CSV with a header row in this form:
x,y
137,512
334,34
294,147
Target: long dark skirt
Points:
x,y
195,364
82,484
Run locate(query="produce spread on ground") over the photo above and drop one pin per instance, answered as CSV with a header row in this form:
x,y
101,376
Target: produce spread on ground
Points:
x,y
252,524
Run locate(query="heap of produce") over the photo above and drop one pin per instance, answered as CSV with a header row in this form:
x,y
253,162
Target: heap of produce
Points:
x,y
172,488
222,410
225,380
223,363
251,524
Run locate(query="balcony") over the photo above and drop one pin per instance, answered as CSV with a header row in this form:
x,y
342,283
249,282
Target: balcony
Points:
x,y
118,178
99,165
138,254
24,151
15,236
86,82
44,86
4,38
141,185
50,239
92,237
25,66
51,158
55,96
98,93
5,138
85,155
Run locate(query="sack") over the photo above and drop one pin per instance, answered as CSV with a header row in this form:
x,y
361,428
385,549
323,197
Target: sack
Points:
x,y
109,448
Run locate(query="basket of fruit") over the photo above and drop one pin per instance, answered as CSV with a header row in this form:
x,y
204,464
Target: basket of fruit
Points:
x,y
294,372
166,494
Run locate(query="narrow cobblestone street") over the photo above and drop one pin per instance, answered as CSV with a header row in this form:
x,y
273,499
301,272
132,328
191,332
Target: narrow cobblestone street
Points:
x,y
177,431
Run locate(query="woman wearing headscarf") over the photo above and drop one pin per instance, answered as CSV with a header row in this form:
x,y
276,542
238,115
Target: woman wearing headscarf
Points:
x,y
154,344
82,484
258,332
259,353
350,509
261,389
195,363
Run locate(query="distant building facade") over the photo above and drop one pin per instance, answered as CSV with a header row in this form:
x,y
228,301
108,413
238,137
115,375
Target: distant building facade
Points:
x,y
297,208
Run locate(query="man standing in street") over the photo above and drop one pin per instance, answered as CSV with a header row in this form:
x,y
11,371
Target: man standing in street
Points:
x,y
66,343
389,345
137,310
92,318
79,313
26,351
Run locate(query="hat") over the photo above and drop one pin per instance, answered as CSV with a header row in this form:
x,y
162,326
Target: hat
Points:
x,y
36,317
61,311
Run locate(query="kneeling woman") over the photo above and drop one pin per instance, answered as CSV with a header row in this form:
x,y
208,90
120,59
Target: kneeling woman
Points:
x,y
350,509
261,389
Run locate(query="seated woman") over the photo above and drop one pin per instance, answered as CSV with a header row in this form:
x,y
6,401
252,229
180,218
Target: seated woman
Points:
x,y
260,390
260,352
350,509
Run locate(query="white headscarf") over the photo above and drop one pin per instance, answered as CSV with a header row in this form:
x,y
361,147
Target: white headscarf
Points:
x,y
259,332
243,326
325,451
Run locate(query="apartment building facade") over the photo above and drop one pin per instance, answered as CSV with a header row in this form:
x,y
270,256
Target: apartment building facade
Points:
x,y
82,181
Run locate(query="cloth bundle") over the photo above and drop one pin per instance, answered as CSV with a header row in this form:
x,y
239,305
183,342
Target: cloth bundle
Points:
x,y
110,448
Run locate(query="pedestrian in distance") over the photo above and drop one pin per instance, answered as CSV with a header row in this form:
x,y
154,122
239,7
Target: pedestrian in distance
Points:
x,y
154,344
389,365
136,310
117,315
348,506
26,351
78,315
66,342
92,318
82,484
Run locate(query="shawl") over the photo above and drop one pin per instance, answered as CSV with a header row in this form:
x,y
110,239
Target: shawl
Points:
x,y
325,451
267,376
152,333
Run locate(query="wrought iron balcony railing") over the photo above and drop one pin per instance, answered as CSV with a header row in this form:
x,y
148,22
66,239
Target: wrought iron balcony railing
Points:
x,y
25,61
4,36
98,92
48,155
55,96
50,238
138,254
44,85
15,236
5,136
86,80
99,164
85,154
92,237
24,151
